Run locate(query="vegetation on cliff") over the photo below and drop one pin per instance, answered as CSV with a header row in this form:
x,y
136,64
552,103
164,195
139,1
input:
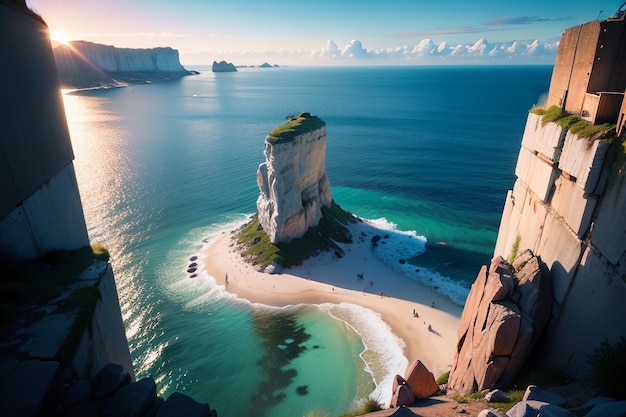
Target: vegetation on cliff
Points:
x,y
38,282
296,125
573,123
323,237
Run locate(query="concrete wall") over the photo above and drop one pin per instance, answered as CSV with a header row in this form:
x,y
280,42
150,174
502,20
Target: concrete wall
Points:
x,y
40,208
573,65
590,59
578,230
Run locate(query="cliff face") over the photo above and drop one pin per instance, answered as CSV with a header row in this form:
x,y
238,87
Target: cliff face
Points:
x,y
40,211
568,206
87,64
40,208
292,181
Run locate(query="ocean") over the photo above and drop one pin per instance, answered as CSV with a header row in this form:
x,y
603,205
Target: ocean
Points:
x,y
426,152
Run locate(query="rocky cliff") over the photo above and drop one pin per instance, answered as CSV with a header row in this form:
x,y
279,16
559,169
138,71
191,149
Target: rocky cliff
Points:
x,y
61,324
505,312
568,206
292,181
85,64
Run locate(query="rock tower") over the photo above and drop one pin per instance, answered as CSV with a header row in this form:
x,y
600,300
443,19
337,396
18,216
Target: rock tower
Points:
x,y
292,181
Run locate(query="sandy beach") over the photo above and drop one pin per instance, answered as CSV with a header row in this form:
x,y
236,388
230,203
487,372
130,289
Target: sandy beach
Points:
x,y
430,337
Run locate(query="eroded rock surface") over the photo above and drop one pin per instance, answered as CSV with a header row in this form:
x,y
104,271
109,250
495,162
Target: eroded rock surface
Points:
x,y
292,181
506,309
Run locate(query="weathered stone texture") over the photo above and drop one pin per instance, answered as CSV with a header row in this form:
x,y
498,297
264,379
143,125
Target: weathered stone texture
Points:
x,y
421,380
504,312
293,185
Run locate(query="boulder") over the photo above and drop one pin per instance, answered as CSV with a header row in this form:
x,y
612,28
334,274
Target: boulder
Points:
x,y
496,396
535,393
609,409
402,395
109,379
179,404
397,381
505,312
133,400
537,408
421,381
491,412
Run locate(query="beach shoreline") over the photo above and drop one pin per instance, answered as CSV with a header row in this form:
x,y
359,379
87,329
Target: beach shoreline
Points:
x,y
425,320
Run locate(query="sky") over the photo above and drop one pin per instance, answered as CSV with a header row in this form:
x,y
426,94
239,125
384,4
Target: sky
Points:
x,y
327,32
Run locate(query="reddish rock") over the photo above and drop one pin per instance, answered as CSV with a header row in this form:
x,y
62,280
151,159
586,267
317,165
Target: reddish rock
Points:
x,y
505,311
397,381
402,396
421,381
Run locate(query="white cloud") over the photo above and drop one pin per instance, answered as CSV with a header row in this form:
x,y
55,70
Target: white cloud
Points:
x,y
423,53
354,50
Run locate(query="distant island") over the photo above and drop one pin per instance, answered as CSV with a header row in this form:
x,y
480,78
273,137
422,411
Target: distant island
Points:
x,y
263,65
82,64
223,66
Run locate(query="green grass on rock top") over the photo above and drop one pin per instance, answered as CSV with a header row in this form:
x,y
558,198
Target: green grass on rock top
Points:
x,y
295,126
258,249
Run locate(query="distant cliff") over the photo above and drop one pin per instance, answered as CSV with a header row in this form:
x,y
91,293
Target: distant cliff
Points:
x,y
292,180
85,64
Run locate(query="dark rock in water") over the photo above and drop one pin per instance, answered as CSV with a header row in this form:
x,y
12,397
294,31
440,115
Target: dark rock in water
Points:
x,y
193,258
179,404
316,346
223,66
386,236
375,239
402,261
193,275
192,270
193,265
302,390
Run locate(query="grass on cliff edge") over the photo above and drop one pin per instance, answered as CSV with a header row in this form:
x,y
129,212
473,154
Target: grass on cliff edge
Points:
x,y
573,123
297,125
332,228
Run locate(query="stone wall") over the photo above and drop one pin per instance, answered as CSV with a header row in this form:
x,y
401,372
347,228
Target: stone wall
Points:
x,y
568,206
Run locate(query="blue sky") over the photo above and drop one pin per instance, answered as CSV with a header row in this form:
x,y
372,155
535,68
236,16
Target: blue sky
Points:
x,y
292,32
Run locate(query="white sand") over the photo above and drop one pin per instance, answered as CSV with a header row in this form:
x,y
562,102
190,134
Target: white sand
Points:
x,y
326,279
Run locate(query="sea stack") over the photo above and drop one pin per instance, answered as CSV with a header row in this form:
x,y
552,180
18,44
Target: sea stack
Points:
x,y
293,182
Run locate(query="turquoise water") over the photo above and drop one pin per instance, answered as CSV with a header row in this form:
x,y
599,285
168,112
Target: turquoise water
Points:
x,y
164,167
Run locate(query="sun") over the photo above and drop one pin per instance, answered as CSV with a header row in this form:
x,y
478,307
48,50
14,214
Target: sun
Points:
x,y
60,36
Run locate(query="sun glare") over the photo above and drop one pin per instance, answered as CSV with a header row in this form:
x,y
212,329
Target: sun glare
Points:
x,y
60,36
